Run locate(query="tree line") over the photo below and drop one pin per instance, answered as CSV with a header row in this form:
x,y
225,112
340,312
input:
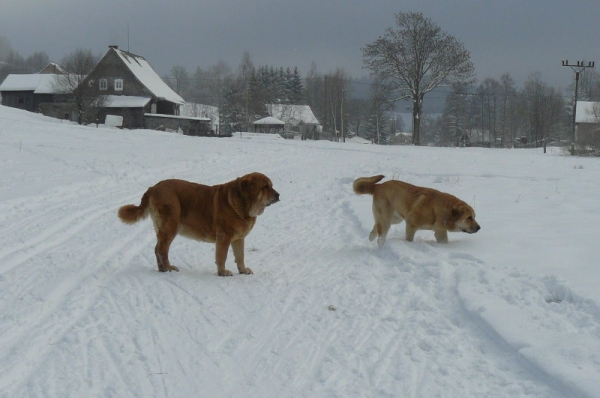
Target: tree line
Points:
x,y
344,107
408,62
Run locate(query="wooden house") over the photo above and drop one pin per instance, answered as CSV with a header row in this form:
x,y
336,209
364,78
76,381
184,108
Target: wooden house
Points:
x,y
131,89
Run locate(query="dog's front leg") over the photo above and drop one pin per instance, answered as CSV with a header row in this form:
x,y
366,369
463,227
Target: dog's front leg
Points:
x,y
410,232
238,253
441,236
222,247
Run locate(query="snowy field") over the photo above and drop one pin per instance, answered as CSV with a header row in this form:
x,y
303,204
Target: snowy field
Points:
x,y
512,311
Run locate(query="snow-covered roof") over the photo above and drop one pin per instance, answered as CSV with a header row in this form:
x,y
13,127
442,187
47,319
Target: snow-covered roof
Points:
x,y
53,68
126,101
585,112
148,77
269,121
38,83
292,114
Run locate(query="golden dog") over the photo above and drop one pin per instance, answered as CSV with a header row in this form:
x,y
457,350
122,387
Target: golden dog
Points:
x,y
222,214
421,208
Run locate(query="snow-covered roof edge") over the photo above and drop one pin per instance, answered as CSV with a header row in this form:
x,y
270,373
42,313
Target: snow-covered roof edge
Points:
x,y
292,114
142,70
125,101
269,120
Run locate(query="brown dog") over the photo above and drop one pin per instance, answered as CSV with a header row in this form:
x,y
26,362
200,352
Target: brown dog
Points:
x,y
223,214
422,208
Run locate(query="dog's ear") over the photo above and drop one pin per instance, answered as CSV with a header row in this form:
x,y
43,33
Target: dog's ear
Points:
x,y
457,211
453,216
249,186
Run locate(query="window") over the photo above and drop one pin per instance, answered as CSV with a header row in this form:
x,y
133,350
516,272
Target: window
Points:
x,y
118,84
103,84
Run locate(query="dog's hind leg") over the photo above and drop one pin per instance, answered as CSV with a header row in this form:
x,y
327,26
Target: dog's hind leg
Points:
x,y
377,232
162,252
166,226
383,218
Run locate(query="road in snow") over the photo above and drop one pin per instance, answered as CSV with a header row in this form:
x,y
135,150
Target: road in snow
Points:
x,y
512,311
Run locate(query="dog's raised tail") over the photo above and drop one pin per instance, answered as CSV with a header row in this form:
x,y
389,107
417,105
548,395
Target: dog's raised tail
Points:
x,y
366,185
130,214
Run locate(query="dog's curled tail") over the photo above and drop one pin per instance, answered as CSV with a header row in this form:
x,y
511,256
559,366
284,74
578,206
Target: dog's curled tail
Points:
x,y
366,185
130,214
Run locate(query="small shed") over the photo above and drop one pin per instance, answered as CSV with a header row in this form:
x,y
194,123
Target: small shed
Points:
x,y
587,121
269,125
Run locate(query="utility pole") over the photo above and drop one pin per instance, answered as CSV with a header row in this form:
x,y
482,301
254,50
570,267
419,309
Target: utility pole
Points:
x,y
342,117
577,67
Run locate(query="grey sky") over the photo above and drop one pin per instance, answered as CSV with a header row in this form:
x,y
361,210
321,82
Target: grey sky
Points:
x,y
518,37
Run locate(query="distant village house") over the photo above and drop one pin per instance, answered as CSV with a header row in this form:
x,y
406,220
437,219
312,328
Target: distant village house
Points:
x,y
587,122
130,95
299,120
35,92
133,90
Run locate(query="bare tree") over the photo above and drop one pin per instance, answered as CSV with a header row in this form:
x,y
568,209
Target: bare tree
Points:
x,y
455,118
417,57
589,83
179,81
334,87
245,70
314,94
542,110
209,85
5,48
78,64
379,104
37,61
508,112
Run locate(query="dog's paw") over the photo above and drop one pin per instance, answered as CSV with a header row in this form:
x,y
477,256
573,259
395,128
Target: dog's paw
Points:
x,y
246,271
225,273
169,268
380,242
373,235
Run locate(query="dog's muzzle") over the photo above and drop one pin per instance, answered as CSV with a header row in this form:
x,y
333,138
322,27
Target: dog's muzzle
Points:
x,y
472,232
275,199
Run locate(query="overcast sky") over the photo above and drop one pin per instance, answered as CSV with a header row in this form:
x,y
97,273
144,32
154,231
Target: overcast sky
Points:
x,y
518,37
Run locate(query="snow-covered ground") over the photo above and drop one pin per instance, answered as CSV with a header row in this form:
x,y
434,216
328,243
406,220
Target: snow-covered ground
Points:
x,y
512,311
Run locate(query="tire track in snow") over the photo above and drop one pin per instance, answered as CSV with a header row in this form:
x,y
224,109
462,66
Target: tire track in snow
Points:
x,y
47,227
47,316
65,312
544,310
411,289
68,290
